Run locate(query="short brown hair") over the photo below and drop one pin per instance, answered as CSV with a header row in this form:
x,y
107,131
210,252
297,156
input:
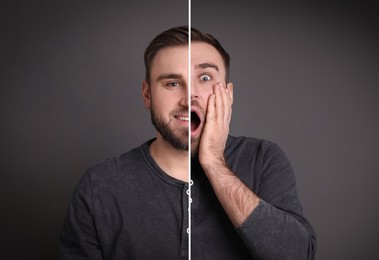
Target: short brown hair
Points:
x,y
178,36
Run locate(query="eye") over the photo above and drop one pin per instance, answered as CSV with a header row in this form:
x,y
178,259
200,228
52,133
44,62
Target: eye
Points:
x,y
172,84
205,78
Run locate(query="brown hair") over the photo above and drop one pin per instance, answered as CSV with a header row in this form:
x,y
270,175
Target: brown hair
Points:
x,y
178,36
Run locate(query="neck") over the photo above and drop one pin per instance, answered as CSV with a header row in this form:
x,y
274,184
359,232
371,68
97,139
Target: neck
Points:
x,y
171,160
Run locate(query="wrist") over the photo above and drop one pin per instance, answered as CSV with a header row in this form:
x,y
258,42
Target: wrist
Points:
x,y
211,165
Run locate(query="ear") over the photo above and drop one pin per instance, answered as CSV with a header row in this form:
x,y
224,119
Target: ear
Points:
x,y
229,86
146,94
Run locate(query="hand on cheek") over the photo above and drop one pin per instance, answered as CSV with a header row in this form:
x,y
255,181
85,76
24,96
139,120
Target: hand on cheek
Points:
x,y
216,128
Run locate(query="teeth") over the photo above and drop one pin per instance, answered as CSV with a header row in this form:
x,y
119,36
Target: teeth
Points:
x,y
183,118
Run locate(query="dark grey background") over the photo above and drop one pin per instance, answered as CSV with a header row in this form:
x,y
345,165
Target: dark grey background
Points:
x,y
71,74
305,77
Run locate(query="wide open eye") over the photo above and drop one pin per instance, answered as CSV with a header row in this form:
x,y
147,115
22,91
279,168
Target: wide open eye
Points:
x,y
205,78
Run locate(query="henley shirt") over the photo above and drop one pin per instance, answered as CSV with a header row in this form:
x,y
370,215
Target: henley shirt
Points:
x,y
127,207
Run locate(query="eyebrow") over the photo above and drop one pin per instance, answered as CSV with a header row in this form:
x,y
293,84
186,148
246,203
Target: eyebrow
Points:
x,y
207,65
169,76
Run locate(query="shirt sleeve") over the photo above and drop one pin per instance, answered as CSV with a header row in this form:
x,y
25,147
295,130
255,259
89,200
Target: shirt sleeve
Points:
x,y
78,239
276,228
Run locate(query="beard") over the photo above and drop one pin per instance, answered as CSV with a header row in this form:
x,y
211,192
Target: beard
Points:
x,y
177,138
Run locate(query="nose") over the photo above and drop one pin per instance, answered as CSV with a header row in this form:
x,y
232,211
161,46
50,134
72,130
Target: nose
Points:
x,y
194,91
184,96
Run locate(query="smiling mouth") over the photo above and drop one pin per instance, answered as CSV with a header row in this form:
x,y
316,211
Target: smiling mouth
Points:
x,y
195,121
182,118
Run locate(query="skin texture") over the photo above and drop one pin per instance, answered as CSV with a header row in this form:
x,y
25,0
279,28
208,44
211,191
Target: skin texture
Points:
x,y
211,100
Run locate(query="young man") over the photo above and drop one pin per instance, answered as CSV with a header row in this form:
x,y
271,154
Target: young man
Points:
x,y
244,200
135,206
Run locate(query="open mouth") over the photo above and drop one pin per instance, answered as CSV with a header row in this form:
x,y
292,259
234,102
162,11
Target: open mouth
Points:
x,y
195,121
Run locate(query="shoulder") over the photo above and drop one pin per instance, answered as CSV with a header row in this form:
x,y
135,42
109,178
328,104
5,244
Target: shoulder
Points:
x,y
250,145
116,169
258,155
261,165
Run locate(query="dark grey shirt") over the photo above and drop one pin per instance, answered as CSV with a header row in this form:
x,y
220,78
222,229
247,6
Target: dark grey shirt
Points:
x,y
128,208
276,229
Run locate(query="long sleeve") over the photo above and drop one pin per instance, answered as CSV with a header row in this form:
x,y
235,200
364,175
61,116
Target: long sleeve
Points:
x,y
78,238
276,229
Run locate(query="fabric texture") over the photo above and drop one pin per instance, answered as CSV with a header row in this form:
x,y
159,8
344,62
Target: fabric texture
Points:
x,y
276,229
128,208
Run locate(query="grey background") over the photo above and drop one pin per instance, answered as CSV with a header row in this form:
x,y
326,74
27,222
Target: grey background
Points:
x,y
305,77
71,74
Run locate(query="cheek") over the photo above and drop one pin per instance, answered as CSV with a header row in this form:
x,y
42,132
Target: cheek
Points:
x,y
167,100
205,93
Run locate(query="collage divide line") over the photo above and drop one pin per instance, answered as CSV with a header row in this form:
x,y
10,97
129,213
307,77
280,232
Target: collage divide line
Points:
x,y
189,131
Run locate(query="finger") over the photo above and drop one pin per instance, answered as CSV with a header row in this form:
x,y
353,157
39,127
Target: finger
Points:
x,y
219,102
230,88
230,102
229,94
226,103
211,107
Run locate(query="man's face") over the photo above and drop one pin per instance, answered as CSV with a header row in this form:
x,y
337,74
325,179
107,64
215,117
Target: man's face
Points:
x,y
166,95
207,69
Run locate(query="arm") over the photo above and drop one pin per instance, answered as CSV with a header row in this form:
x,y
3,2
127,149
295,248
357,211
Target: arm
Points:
x,y
277,229
237,199
78,239
271,226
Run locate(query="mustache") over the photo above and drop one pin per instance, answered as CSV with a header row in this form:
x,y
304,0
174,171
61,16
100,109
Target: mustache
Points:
x,y
183,110
195,103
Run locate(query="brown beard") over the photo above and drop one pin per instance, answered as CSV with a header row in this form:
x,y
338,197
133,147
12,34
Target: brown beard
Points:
x,y
173,137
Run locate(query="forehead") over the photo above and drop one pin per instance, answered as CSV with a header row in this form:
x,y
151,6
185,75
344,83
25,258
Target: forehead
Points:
x,y
173,59
202,52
